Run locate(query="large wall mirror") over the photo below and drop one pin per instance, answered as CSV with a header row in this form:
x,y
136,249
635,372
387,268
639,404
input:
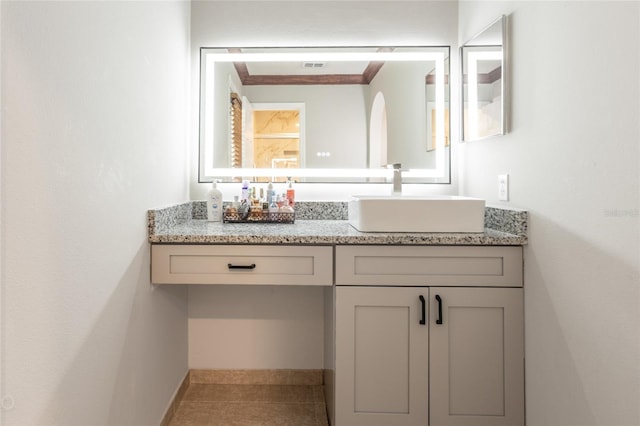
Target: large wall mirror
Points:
x,y
324,114
484,72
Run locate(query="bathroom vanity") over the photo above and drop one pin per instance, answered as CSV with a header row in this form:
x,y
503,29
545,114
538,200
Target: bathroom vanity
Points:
x,y
422,328
441,327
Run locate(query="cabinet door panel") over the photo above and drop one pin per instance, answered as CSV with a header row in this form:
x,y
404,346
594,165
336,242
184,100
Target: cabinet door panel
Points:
x,y
382,365
376,329
476,357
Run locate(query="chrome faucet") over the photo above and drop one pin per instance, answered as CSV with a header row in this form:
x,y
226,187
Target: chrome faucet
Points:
x,y
397,178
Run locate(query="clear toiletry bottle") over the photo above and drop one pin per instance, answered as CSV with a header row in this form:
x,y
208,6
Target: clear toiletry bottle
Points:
x,y
273,207
270,193
286,208
214,204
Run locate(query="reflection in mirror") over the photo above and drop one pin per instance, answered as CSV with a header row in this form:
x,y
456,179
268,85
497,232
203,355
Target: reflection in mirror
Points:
x,y
324,114
432,111
483,83
276,138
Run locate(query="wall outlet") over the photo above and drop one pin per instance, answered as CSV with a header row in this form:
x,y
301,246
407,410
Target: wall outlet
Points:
x,y
503,187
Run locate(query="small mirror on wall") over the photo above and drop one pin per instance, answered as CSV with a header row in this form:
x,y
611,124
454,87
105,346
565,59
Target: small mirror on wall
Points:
x,y
484,73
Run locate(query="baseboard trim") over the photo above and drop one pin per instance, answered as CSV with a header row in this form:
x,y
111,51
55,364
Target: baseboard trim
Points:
x,y
329,394
257,377
175,401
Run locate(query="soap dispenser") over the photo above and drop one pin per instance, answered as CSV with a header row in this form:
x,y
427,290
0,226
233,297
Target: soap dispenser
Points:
x,y
214,204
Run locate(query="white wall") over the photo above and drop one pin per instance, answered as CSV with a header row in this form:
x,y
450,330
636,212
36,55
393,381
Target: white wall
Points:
x,y
321,23
403,88
94,107
573,160
263,327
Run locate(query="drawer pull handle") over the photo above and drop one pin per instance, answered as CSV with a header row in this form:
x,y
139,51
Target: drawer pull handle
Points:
x,y
439,319
232,266
423,319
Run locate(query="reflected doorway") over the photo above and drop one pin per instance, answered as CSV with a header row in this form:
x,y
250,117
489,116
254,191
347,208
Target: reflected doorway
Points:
x,y
278,136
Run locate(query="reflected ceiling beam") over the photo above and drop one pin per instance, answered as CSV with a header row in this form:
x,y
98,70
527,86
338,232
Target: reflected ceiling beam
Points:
x,y
374,66
495,75
366,77
431,79
241,67
484,78
255,80
371,71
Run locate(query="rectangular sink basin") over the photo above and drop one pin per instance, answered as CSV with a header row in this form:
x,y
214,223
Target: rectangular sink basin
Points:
x,y
405,213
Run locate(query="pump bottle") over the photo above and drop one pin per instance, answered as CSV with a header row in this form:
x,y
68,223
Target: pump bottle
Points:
x,y
214,204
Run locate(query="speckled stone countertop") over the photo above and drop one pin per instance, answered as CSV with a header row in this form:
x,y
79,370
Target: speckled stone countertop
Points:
x,y
320,223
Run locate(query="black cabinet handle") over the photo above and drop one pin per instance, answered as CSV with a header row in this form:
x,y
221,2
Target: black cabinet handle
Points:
x,y
439,319
232,266
423,319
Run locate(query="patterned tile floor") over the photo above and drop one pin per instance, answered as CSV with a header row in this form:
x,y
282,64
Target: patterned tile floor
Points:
x,y
251,405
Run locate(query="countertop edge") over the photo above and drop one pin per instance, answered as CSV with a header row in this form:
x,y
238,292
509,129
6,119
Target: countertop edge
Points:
x,y
340,233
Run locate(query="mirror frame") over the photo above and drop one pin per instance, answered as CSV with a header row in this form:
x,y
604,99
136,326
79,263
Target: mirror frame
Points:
x,y
207,172
475,42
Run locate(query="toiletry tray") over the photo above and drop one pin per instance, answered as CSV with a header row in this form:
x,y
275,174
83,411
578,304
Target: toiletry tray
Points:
x,y
279,217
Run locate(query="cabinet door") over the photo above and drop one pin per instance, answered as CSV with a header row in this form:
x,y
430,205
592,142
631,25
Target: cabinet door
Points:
x,y
382,356
477,357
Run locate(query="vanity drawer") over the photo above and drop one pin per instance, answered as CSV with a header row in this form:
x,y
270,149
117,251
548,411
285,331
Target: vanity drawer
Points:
x,y
429,266
242,264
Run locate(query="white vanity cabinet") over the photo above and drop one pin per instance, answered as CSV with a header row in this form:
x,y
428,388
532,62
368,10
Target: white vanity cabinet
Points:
x,y
429,336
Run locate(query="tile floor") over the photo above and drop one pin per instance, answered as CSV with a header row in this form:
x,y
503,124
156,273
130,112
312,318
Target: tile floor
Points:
x,y
251,405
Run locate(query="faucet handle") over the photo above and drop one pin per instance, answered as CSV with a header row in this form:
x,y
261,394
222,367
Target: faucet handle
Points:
x,y
395,166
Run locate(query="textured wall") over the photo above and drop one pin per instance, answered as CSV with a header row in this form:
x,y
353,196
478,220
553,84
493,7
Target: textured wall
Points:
x,y
94,98
573,160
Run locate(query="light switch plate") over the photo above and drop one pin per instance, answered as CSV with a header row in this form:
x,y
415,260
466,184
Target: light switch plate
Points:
x,y
503,187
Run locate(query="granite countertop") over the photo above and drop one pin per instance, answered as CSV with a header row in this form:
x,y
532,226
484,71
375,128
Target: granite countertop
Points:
x,y
185,224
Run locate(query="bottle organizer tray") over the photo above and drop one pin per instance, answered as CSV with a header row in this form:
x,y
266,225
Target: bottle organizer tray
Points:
x,y
251,217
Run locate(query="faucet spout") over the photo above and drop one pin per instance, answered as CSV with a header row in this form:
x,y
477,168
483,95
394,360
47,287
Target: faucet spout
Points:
x,y
397,178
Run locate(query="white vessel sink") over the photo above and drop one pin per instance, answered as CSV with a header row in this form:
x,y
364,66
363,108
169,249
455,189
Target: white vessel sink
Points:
x,y
405,213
